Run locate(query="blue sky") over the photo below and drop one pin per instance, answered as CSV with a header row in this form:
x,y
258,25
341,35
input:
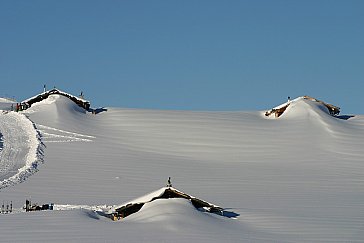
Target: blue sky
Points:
x,y
185,55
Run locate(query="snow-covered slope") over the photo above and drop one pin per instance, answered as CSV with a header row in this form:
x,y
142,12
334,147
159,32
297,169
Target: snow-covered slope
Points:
x,y
23,151
7,104
298,178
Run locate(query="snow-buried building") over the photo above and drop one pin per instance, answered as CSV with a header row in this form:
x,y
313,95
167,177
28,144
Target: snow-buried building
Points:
x,y
124,210
78,100
279,110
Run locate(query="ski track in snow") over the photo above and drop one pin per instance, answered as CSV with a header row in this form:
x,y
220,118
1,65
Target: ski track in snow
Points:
x,y
22,149
54,135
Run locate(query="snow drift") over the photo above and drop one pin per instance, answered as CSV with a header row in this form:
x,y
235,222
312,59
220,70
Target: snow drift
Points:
x,y
298,178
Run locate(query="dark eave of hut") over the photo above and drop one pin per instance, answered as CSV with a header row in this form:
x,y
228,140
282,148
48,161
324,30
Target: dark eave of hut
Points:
x,y
277,111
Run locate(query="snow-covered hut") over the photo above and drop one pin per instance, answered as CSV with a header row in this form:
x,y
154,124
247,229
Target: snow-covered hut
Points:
x,y
279,110
78,100
124,210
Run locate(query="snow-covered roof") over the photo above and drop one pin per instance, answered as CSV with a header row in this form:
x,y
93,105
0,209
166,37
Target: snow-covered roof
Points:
x,y
166,193
156,194
280,109
78,100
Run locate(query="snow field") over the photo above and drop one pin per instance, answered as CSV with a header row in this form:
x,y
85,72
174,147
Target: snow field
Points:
x,y
298,178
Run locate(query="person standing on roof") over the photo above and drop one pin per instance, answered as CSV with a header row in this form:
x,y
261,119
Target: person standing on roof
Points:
x,y
169,184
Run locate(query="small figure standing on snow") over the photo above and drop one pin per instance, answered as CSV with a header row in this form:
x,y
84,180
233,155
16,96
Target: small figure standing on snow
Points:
x,y
289,99
169,184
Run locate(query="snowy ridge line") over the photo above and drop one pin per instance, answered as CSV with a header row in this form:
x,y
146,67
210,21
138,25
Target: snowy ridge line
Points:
x,y
17,130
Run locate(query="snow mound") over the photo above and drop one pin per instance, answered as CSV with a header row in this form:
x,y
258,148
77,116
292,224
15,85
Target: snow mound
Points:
x,y
302,107
168,192
168,210
57,103
80,101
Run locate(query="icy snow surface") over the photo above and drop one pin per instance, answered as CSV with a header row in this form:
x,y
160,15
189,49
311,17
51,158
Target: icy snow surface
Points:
x,y
298,178
22,153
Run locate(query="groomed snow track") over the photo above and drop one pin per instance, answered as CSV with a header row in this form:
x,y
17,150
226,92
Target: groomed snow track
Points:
x,y
22,149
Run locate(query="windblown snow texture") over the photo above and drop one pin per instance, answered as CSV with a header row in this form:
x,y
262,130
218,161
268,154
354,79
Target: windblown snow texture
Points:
x,y
298,178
